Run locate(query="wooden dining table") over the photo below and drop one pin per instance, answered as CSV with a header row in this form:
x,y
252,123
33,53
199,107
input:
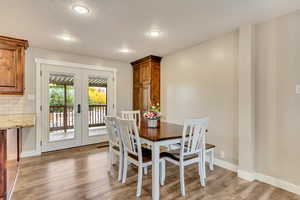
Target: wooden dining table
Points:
x,y
165,134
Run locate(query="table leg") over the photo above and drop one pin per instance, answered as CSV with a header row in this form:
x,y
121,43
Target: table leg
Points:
x,y
18,144
155,171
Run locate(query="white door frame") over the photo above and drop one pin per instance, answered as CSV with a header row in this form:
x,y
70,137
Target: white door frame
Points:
x,y
38,82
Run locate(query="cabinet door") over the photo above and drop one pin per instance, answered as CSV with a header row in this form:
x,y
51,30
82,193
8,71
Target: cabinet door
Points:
x,y
146,92
11,69
136,76
155,84
145,72
137,97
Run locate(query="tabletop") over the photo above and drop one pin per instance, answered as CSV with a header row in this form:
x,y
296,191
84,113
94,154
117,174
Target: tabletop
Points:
x,y
164,131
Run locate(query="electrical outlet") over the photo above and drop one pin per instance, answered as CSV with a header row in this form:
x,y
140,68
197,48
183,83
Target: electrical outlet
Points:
x,y
222,154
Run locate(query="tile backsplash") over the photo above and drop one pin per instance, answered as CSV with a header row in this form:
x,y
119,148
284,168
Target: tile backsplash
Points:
x,y
16,105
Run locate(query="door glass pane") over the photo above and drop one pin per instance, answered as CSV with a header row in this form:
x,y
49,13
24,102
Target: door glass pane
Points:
x,y
61,107
97,94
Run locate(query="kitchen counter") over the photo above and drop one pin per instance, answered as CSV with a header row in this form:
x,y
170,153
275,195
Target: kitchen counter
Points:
x,y
11,141
16,121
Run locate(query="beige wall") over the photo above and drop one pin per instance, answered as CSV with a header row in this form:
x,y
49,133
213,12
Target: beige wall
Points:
x,y
202,81
21,104
277,104
246,102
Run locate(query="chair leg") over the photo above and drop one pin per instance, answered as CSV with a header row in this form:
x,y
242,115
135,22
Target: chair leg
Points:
x,y
162,172
140,181
204,163
202,178
125,166
145,170
211,163
182,187
121,162
201,167
113,158
109,159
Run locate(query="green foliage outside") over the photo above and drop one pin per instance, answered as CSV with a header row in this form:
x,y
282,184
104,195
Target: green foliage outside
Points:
x,y
56,93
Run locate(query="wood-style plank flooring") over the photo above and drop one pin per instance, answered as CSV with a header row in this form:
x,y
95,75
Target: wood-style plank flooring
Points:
x,y
81,173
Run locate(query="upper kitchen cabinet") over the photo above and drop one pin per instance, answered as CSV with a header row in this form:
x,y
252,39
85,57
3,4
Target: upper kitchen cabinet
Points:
x,y
12,61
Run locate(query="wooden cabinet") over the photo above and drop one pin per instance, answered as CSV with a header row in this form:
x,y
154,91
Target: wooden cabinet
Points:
x,y
12,59
146,82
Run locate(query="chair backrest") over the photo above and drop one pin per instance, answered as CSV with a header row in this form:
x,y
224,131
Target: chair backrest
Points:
x,y
113,130
130,137
133,115
193,138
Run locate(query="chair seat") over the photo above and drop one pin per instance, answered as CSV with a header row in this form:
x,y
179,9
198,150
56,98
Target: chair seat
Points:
x,y
175,155
146,154
117,148
209,146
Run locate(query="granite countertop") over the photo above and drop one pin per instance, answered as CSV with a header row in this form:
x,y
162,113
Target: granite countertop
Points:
x,y
16,121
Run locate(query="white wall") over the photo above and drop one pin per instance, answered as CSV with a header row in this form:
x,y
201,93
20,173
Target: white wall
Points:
x,y
202,81
21,104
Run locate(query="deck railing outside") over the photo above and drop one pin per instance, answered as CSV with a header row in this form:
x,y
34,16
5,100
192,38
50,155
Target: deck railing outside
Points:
x,y
62,117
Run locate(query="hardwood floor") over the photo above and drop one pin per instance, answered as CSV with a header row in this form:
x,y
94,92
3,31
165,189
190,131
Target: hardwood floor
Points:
x,y
81,173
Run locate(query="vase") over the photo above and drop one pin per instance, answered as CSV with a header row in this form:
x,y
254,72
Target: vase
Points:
x,y
152,123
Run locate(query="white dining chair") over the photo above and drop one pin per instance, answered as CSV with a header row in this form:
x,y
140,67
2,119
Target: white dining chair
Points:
x,y
132,115
136,116
115,144
192,150
210,151
135,153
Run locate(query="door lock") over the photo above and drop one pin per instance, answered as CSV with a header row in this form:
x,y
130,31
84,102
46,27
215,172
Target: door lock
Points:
x,y
78,108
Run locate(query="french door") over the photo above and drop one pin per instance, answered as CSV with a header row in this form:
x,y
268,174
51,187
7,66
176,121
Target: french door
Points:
x,y
96,105
74,105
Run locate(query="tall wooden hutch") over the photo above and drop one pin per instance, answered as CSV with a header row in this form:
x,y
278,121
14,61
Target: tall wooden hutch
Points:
x,y
146,82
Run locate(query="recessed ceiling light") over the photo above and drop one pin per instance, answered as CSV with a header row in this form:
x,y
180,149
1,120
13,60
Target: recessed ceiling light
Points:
x,y
154,33
82,10
66,37
125,50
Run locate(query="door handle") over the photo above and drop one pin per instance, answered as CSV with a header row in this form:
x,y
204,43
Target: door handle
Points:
x,y
78,108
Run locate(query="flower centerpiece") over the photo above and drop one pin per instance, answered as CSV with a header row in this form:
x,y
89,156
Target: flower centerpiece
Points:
x,y
153,115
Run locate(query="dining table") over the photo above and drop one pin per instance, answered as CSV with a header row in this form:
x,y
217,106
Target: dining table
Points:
x,y
164,135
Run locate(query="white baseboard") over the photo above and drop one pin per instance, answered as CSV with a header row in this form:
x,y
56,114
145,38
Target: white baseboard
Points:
x,y
260,177
278,183
248,176
26,154
226,165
